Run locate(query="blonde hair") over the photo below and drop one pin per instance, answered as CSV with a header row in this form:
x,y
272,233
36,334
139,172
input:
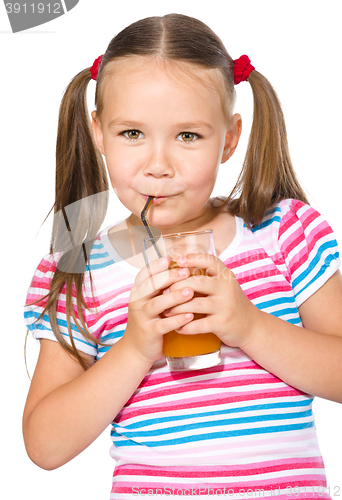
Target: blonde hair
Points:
x,y
267,175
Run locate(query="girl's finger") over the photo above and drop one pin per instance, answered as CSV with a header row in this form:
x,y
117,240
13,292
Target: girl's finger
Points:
x,y
196,305
154,284
166,325
206,285
203,262
167,301
148,284
154,267
197,326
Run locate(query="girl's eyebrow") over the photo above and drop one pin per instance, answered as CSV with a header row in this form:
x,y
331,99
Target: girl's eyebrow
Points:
x,y
125,123
184,125
197,124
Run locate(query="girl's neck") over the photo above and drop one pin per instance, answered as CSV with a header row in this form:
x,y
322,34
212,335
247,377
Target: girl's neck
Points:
x,y
216,217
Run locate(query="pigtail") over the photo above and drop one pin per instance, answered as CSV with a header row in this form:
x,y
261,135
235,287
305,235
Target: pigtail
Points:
x,y
81,198
267,175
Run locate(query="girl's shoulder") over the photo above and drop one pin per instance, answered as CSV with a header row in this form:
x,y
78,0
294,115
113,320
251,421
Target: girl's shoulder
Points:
x,y
68,261
301,244
296,232
287,214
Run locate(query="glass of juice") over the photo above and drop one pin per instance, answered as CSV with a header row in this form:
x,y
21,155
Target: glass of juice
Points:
x,y
186,352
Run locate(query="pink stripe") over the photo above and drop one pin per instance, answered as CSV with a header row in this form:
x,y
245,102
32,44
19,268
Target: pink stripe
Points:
x,y
106,297
308,217
259,272
302,256
193,490
291,216
110,324
317,233
43,283
267,485
247,258
47,266
92,319
34,298
267,289
221,470
163,378
282,439
256,274
205,401
100,299
207,384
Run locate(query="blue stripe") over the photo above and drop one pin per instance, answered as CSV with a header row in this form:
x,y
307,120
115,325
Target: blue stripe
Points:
x,y
315,261
275,302
112,335
60,322
294,321
212,423
160,420
30,314
78,339
273,210
98,255
37,326
100,266
266,223
102,350
284,312
217,435
321,271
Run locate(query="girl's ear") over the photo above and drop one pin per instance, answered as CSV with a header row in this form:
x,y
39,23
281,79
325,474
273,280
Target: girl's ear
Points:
x,y
97,132
232,138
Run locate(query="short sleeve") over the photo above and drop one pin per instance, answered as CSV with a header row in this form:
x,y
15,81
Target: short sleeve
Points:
x,y
308,246
36,301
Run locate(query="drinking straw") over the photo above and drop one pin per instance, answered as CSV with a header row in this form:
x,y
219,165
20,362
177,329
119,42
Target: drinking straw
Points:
x,y
146,224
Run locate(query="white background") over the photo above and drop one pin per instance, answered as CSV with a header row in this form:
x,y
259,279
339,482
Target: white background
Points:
x,y
295,44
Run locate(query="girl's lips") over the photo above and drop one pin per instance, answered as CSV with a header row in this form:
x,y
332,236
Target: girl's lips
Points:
x,y
156,200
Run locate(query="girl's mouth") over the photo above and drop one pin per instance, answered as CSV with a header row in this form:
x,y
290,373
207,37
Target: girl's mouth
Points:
x,y
156,200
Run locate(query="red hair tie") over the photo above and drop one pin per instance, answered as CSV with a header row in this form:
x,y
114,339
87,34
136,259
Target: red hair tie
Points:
x,y
94,70
242,69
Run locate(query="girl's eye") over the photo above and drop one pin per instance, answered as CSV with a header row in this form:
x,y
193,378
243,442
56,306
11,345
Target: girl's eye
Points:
x,y
132,134
188,136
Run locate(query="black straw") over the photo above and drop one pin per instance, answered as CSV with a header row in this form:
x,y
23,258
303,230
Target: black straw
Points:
x,y
147,226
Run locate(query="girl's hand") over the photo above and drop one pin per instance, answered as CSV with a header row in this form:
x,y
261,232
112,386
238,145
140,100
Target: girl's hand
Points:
x,y
230,314
145,326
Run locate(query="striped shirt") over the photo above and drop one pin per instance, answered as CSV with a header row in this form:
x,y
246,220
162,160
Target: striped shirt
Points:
x,y
232,430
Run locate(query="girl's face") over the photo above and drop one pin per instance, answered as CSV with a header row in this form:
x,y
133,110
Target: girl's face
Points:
x,y
163,133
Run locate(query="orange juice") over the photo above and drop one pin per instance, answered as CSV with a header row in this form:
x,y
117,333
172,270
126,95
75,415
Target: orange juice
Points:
x,y
177,345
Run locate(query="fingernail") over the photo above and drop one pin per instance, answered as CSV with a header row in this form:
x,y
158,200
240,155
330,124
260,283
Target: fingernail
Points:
x,y
185,292
182,272
163,261
167,290
181,260
188,316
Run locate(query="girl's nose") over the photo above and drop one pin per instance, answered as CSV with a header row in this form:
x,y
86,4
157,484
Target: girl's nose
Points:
x,y
159,163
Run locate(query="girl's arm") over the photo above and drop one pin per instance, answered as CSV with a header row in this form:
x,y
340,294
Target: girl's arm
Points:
x,y
309,358
67,408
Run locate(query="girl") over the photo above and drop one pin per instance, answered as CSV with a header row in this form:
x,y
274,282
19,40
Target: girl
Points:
x,y
164,123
